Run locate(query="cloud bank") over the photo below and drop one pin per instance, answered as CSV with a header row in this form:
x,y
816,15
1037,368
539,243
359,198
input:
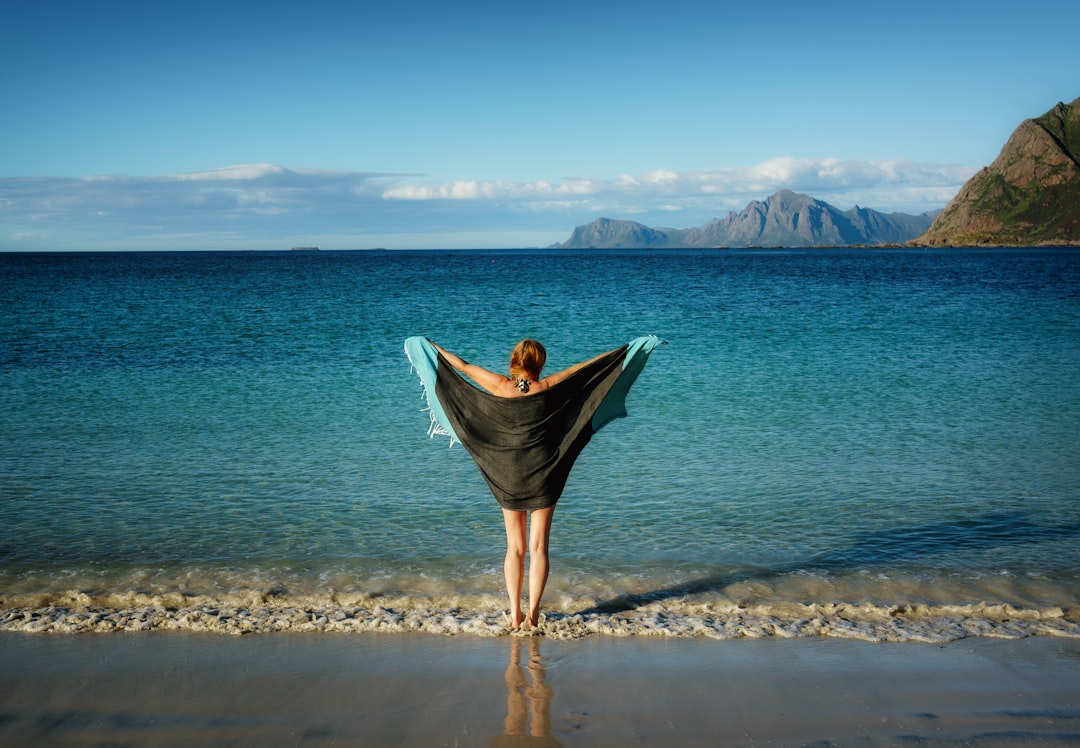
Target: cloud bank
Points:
x,y
263,206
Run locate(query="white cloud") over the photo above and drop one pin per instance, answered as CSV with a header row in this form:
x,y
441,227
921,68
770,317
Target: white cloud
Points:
x,y
484,190
232,173
459,190
903,185
263,205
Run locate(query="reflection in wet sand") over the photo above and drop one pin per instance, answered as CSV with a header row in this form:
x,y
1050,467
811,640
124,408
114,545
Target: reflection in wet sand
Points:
x,y
528,699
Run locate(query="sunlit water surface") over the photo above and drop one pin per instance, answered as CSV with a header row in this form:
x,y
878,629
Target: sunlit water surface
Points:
x,y
867,443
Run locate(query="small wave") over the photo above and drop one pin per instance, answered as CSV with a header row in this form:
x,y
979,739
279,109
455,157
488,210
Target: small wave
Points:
x,y
481,615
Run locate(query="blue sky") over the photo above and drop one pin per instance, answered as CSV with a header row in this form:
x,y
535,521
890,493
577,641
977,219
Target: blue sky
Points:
x,y
243,125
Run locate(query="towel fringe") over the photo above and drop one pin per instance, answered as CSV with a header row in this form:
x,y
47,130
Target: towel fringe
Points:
x,y
434,427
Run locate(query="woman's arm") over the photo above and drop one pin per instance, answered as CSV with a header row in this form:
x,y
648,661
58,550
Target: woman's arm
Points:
x,y
494,383
554,379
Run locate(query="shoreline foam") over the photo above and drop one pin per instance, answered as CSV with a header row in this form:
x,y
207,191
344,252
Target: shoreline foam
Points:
x,y
484,616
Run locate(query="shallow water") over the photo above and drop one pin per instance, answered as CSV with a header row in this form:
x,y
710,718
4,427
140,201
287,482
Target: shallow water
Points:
x,y
870,443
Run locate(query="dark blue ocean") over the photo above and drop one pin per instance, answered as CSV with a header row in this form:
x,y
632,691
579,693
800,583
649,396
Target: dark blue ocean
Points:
x,y
879,444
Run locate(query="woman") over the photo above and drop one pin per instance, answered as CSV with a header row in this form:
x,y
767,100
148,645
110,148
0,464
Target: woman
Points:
x,y
526,361
525,432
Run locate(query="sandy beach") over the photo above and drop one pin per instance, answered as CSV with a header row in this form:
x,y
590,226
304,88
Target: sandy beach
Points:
x,y
164,689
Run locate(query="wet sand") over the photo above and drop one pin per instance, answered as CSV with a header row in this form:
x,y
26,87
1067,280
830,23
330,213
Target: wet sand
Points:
x,y
166,689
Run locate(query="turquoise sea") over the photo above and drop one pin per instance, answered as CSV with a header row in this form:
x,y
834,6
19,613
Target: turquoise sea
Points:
x,y
870,443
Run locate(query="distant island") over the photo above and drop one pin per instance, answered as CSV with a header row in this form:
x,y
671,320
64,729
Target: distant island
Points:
x,y
786,219
304,249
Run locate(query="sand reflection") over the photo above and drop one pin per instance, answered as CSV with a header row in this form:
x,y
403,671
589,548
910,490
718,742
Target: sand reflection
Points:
x,y
528,698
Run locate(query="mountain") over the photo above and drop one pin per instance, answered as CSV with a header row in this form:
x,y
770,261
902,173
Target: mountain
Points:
x,y
608,233
786,219
1029,195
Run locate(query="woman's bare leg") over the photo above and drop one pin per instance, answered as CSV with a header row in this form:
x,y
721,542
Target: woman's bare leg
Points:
x,y
538,559
514,565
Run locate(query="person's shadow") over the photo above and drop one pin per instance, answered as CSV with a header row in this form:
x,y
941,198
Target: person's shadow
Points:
x,y
528,699
872,548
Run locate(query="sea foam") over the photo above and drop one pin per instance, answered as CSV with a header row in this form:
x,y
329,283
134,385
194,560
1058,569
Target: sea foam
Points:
x,y
480,615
